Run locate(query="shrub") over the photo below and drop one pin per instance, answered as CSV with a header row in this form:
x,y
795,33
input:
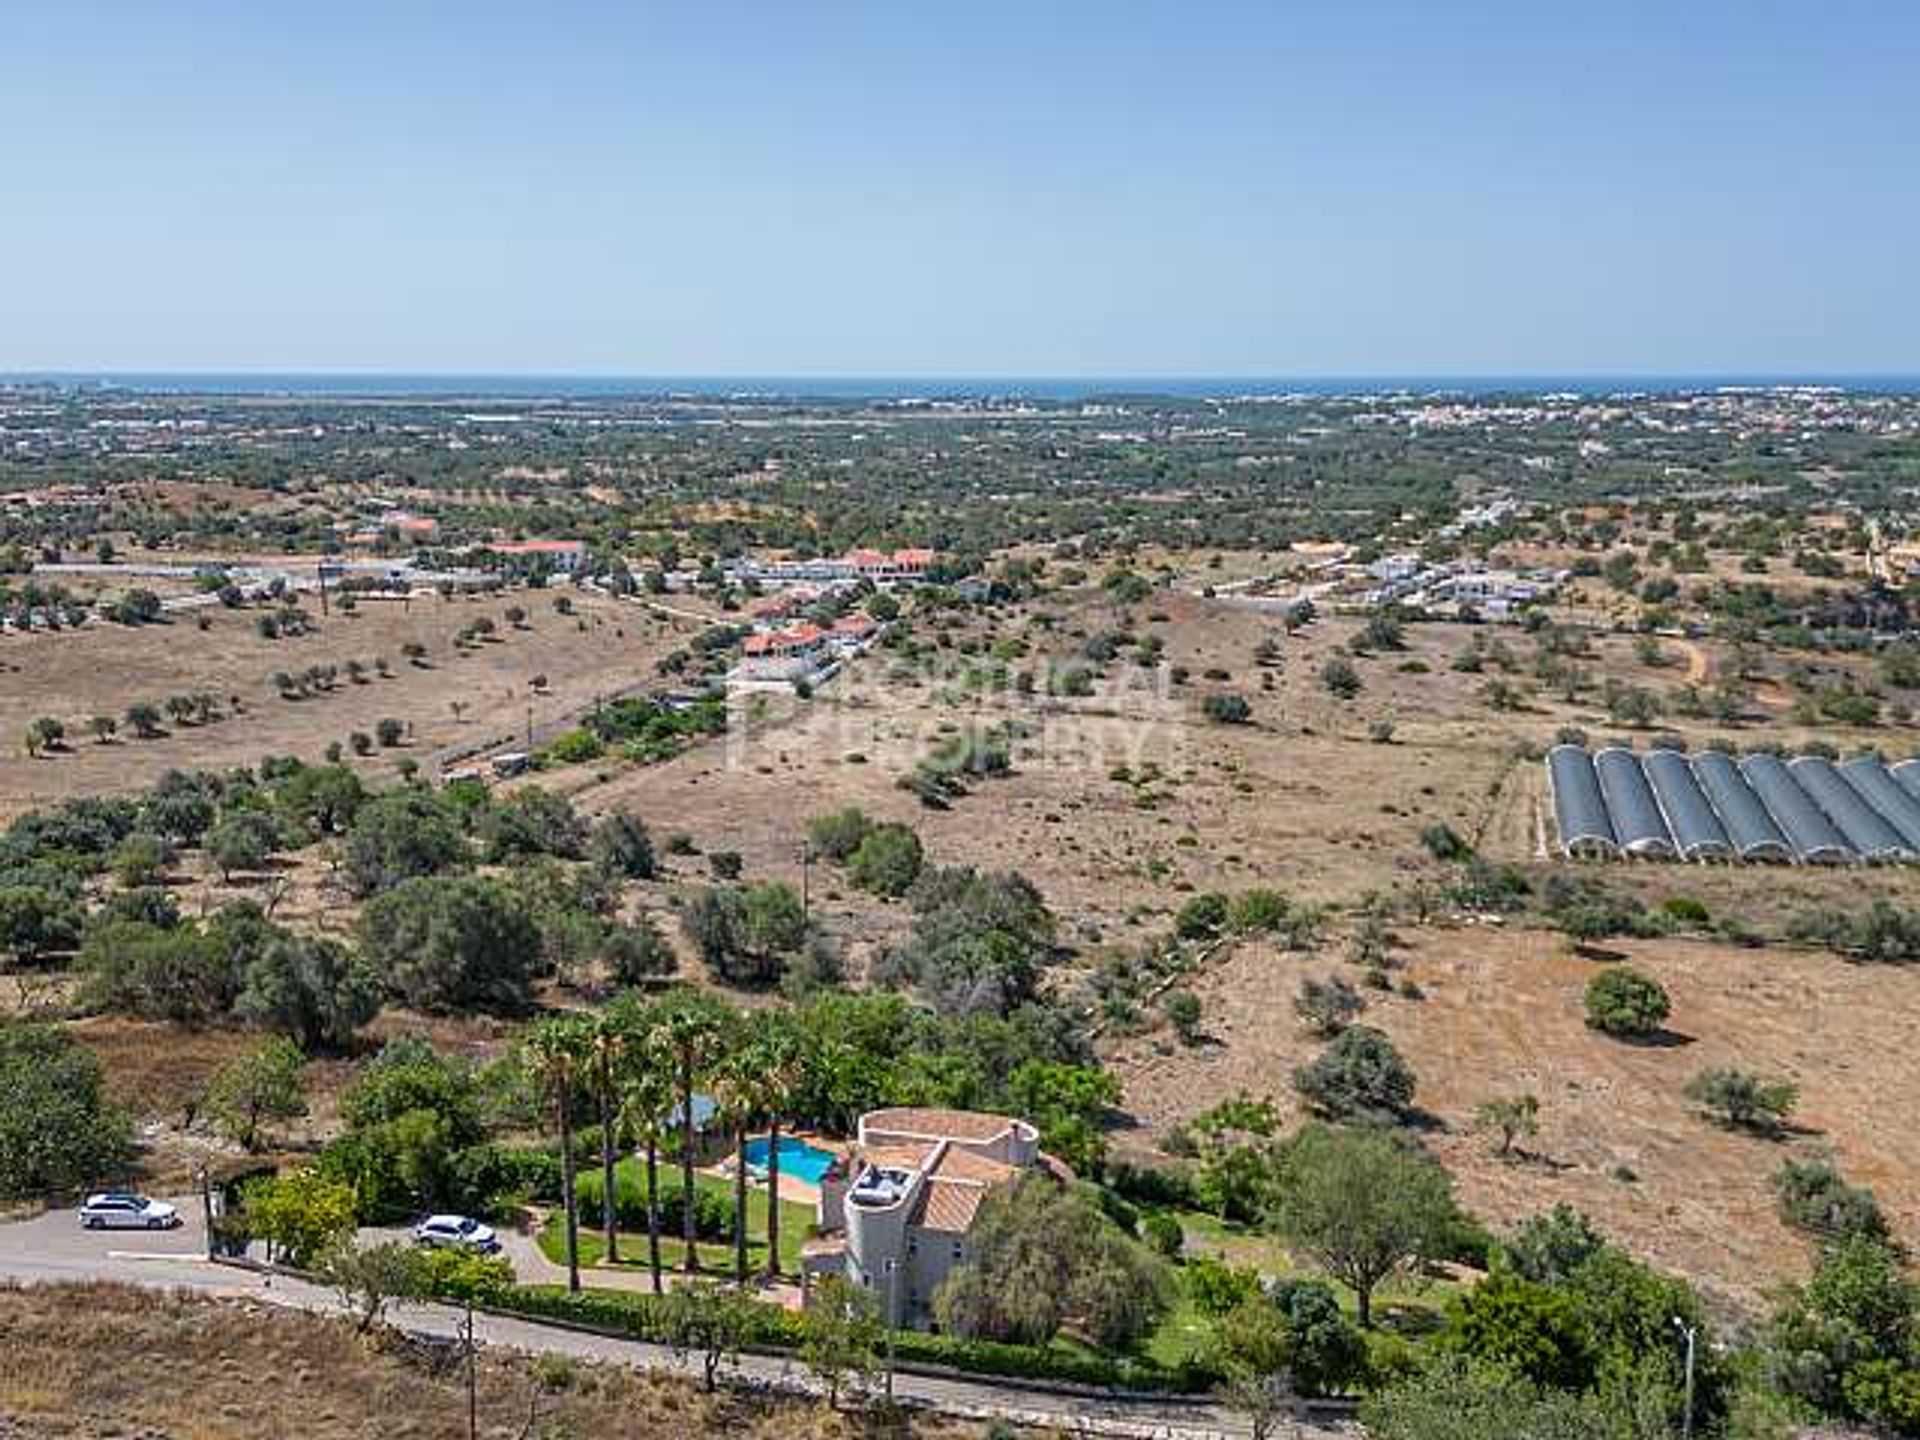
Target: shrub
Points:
x,y
1257,909
887,860
1360,1076
1182,1009
1443,842
837,836
1327,1006
1743,1100
1813,1197
1622,1001
1340,678
1202,917
1163,1233
1226,708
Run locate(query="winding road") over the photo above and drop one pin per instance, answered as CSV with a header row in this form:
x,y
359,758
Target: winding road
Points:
x,y
52,1248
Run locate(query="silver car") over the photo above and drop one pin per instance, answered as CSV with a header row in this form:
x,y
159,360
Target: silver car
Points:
x,y
118,1210
456,1232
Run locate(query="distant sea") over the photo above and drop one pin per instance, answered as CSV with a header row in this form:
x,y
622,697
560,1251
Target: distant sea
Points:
x,y
852,388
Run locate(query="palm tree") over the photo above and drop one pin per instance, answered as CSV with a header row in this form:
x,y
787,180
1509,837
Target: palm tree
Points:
x,y
690,1024
784,1063
738,1086
648,1091
554,1051
608,1036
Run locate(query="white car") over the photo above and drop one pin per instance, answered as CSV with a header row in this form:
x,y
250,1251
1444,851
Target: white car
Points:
x,y
117,1210
458,1232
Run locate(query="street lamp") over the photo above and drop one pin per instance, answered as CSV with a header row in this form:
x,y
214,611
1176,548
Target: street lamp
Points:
x,y
1691,1334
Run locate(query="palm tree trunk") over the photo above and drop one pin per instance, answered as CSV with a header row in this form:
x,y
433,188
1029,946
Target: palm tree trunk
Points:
x,y
568,1200
691,1261
740,1203
653,1213
773,1197
607,1215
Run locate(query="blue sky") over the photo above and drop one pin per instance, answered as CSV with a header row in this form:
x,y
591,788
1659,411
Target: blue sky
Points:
x,y
962,189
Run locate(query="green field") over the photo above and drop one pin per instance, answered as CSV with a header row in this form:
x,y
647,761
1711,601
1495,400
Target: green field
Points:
x,y
796,1224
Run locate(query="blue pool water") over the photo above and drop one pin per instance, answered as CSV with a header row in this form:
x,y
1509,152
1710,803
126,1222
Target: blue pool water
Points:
x,y
797,1157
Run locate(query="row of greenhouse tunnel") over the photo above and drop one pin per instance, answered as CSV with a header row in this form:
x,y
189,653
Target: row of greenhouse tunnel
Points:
x,y
1667,805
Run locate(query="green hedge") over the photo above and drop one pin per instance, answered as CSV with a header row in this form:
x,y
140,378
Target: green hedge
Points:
x,y
636,1315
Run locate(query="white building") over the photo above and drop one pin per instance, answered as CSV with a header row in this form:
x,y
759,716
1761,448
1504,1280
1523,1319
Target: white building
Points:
x,y
894,1215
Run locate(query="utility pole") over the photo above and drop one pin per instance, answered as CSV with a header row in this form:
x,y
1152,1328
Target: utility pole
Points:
x,y
473,1384
529,727
206,1207
806,882
1692,1335
893,1292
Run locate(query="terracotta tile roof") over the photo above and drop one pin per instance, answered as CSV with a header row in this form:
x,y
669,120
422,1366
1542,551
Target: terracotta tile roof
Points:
x,y
957,1164
947,1205
897,1157
936,1124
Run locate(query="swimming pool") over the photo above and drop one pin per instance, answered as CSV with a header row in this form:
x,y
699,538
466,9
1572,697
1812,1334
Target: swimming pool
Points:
x,y
797,1157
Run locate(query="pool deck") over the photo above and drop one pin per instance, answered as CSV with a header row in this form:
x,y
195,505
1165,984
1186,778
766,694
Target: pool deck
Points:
x,y
792,1187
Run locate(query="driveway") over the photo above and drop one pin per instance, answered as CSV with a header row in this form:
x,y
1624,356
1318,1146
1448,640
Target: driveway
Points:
x,y
52,1248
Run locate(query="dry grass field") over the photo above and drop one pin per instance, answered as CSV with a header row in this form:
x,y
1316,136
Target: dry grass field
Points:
x,y
193,1369
1502,1016
605,647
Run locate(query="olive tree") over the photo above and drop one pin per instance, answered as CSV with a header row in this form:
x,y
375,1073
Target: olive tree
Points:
x,y
1363,1205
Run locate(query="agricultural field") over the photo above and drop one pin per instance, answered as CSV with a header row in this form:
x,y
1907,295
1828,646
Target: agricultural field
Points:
x,y
454,697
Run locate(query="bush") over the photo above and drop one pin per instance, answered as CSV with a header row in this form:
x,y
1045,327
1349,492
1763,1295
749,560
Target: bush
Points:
x,y
1743,1100
1444,843
1622,1001
1813,1197
1360,1076
1340,678
1327,1006
574,747
1226,708
1163,1233
1258,909
1202,917
621,848
836,836
887,860
1182,1009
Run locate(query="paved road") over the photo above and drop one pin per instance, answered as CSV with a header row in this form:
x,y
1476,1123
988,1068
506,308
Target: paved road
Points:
x,y
53,1248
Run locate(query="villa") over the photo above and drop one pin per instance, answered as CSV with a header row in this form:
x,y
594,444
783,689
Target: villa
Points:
x,y
894,1215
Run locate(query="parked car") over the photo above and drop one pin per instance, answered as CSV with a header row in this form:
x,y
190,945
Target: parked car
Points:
x,y
117,1210
456,1232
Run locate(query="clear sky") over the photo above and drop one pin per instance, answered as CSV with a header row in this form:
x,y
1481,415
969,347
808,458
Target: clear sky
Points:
x,y
922,188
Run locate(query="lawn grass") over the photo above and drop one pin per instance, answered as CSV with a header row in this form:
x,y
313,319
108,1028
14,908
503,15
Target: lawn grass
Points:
x,y
1406,1305
796,1224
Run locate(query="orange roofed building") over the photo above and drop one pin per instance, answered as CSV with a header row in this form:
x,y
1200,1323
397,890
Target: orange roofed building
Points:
x,y
895,1214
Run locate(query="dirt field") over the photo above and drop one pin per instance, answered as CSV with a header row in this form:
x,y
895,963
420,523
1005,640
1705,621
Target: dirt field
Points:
x,y
104,668
1301,798
1502,1016
221,1370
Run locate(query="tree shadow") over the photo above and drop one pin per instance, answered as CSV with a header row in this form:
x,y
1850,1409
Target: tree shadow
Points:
x,y
1661,1039
1588,950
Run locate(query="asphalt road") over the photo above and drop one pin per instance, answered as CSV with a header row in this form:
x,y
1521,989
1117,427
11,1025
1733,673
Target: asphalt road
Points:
x,y
52,1248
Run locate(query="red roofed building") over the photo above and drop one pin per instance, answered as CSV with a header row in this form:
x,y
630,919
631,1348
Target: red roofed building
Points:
x,y
790,643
